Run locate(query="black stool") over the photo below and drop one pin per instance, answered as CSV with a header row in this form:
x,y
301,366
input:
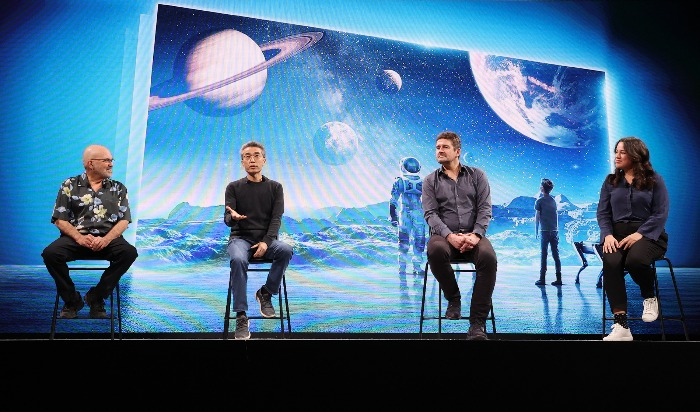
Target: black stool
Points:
x,y
253,266
441,316
101,268
661,318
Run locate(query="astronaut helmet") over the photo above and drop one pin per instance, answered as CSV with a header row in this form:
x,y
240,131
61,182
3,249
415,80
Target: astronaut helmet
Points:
x,y
410,165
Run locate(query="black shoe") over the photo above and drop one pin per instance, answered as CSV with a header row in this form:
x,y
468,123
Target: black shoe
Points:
x,y
540,282
97,306
70,310
454,309
557,283
477,331
265,301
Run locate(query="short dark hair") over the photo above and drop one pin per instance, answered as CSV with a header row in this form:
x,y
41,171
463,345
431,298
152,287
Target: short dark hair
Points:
x,y
547,185
451,136
252,144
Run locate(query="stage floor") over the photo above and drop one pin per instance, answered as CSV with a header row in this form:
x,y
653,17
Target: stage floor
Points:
x,y
354,304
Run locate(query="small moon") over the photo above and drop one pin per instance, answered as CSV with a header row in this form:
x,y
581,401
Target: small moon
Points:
x,y
335,143
389,81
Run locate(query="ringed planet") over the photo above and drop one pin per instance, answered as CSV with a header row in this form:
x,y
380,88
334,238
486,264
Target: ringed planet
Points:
x,y
287,46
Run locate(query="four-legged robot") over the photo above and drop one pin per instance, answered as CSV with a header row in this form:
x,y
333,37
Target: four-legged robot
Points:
x,y
589,248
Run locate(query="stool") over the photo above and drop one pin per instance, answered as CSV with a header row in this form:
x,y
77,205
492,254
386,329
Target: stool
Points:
x,y
101,268
254,266
441,316
662,318
589,248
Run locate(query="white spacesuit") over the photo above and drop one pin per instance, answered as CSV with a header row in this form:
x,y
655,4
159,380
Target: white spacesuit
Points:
x,y
406,212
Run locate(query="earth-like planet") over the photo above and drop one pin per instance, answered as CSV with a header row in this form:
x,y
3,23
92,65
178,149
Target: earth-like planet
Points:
x,y
389,81
335,143
557,105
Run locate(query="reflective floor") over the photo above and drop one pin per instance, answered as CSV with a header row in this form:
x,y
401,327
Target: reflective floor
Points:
x,y
372,301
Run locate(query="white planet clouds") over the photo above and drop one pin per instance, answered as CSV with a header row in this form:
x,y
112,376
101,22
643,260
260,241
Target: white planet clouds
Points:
x,y
555,105
335,143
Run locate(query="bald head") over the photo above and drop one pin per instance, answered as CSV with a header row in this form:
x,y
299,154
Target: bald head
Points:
x,y
95,151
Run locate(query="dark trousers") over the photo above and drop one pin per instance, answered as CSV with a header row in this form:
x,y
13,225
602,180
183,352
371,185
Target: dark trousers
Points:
x,y
549,239
440,252
119,252
636,260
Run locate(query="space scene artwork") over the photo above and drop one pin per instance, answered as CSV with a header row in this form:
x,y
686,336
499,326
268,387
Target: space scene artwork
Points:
x,y
339,113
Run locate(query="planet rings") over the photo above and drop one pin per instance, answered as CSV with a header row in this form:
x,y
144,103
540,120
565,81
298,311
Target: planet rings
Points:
x,y
288,47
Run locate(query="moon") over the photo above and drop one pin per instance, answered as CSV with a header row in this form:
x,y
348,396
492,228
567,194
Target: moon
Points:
x,y
389,81
335,143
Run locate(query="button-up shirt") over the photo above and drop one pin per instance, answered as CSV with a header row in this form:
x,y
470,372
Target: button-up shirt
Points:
x,y
89,211
461,206
625,203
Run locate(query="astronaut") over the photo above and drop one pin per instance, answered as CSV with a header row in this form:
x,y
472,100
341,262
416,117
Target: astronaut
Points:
x,y
406,212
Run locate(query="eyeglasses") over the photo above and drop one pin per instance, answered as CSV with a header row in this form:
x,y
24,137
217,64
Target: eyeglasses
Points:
x,y
105,160
256,156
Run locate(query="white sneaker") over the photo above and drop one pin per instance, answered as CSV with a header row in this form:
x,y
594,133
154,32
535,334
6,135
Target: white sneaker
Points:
x,y
619,333
651,310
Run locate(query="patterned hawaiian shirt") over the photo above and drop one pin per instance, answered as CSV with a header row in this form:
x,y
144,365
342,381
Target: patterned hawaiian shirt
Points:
x,y
90,211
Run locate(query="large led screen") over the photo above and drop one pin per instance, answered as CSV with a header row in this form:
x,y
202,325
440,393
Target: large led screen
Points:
x,y
339,114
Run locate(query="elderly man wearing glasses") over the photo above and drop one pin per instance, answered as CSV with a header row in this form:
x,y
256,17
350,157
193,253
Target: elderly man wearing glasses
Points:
x,y
254,206
91,212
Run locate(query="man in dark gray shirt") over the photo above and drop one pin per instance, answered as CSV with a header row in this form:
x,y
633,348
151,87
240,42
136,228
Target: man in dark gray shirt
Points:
x,y
457,206
547,224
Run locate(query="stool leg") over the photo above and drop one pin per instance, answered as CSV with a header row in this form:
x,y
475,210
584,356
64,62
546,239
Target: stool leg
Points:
x,y
119,311
678,298
227,316
439,312
658,301
279,296
493,318
53,318
111,314
604,318
422,305
286,304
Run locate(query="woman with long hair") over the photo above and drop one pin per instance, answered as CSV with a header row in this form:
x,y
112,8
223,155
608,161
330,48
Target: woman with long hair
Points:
x,y
632,213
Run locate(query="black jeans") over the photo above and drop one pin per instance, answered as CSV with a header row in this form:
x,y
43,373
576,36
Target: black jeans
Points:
x,y
440,252
636,261
549,237
119,252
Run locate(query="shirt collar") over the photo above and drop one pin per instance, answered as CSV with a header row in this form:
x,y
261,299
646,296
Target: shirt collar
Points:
x,y
264,179
84,182
462,169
